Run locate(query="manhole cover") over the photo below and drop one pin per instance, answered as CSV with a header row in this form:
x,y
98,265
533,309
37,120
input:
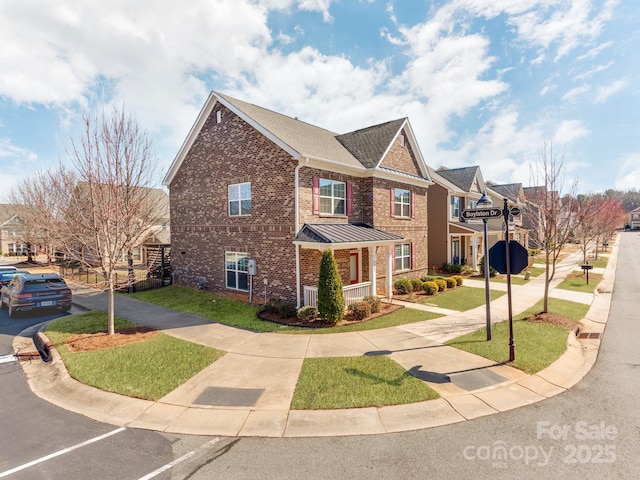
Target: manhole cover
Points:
x,y
229,397
476,379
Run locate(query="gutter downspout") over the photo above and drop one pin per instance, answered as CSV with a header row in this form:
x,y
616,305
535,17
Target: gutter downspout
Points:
x,y
301,162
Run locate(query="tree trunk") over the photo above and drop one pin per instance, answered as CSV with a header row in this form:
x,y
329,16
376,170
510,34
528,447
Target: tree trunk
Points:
x,y
111,308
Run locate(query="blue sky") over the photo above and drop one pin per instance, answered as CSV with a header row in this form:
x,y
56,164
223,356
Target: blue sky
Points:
x,y
483,82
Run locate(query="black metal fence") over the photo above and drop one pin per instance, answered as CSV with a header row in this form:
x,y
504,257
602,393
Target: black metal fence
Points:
x,y
126,282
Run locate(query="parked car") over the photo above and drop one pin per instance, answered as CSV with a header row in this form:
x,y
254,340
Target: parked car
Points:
x,y
8,269
35,291
6,276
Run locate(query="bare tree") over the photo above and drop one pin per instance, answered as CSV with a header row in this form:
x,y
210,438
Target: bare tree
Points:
x,y
103,202
550,211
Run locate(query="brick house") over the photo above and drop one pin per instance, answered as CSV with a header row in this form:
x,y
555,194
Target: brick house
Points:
x,y
257,196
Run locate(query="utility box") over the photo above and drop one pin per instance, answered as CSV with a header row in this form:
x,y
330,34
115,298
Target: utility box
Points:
x,y
252,269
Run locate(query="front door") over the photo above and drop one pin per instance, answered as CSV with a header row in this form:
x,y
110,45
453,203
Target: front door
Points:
x,y
455,244
353,268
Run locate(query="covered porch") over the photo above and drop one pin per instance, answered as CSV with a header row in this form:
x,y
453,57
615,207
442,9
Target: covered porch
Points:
x,y
357,249
466,242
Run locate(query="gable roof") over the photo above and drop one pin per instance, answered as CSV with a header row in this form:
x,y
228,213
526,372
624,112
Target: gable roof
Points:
x,y
511,191
461,179
358,151
369,145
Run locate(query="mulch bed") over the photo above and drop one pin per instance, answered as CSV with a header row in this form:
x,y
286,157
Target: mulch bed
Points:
x,y
551,318
87,342
385,308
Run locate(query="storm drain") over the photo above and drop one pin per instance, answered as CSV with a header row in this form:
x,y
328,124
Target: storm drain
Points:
x,y
229,397
477,379
589,335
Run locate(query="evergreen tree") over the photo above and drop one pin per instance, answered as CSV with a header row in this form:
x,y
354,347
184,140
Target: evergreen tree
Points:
x,y
330,296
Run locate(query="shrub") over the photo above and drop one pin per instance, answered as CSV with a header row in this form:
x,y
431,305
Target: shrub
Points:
x,y
458,280
330,295
416,285
467,270
281,308
430,288
403,286
492,271
374,302
428,278
441,283
360,310
308,313
451,282
451,268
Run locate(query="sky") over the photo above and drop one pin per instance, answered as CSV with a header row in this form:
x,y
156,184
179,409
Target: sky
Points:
x,y
483,82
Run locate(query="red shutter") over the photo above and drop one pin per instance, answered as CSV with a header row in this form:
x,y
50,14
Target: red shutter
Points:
x,y
413,256
349,200
316,195
413,204
392,209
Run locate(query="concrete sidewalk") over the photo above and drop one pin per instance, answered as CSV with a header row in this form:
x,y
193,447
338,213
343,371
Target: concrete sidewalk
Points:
x,y
249,390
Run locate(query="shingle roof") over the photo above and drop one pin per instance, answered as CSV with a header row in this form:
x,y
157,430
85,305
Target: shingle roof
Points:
x,y
368,145
304,138
343,233
511,190
463,177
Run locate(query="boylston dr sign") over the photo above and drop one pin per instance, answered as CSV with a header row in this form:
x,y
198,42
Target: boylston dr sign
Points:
x,y
482,213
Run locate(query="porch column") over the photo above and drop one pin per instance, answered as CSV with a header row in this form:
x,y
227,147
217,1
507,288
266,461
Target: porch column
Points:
x,y
372,269
475,252
389,277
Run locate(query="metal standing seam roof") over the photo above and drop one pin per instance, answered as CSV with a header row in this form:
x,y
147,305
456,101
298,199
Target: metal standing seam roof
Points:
x,y
331,233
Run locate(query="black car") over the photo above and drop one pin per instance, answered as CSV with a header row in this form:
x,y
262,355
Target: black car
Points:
x,y
6,276
35,291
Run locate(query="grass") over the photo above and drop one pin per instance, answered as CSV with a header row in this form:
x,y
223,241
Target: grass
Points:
x,y
461,298
352,382
239,314
535,271
537,345
148,369
578,282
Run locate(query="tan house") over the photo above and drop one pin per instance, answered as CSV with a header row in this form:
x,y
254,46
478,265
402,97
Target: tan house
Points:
x,y
634,219
515,195
257,196
453,239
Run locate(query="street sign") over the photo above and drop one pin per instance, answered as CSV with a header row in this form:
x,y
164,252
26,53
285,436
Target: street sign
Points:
x,y
482,213
515,211
518,256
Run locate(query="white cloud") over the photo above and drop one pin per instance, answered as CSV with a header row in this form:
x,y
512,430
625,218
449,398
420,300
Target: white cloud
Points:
x,y
628,176
604,92
570,130
573,94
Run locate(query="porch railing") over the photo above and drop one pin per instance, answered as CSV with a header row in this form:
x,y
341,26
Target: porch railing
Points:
x,y
352,293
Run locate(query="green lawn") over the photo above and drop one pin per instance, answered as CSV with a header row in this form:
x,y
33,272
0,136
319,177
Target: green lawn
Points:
x,y
537,345
148,369
461,298
352,382
578,282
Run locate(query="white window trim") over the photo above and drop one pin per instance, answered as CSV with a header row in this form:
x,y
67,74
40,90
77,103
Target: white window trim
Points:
x,y
239,200
333,198
226,270
404,255
452,203
396,202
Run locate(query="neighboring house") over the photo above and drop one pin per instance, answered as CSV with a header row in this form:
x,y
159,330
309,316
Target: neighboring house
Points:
x,y
14,231
514,193
257,196
153,237
634,219
452,238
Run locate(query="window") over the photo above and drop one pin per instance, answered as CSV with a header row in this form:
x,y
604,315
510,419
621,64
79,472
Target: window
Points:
x,y
240,199
402,256
473,204
219,116
236,270
332,197
402,203
455,207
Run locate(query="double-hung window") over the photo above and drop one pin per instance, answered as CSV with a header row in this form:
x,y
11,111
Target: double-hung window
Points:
x,y
236,270
402,256
240,199
455,207
333,196
402,203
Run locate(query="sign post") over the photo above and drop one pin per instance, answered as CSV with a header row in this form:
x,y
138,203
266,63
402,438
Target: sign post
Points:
x,y
485,214
512,343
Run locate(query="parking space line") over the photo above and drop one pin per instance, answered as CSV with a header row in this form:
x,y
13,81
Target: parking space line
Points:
x,y
60,452
7,358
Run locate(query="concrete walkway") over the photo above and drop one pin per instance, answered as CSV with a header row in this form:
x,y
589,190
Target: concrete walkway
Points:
x,y
249,390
